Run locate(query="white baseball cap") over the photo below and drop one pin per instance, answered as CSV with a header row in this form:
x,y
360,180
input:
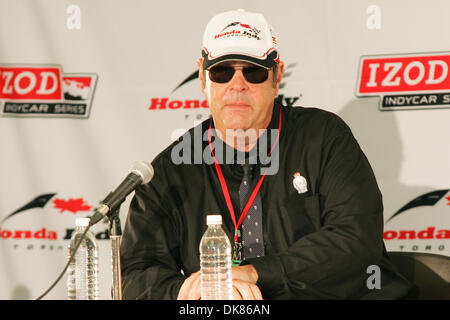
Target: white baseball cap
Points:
x,y
239,35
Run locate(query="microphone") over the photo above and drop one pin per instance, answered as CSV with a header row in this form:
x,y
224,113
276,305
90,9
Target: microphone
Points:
x,y
141,173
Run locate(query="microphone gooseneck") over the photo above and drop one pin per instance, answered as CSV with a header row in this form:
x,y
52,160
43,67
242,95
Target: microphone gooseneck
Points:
x,y
140,173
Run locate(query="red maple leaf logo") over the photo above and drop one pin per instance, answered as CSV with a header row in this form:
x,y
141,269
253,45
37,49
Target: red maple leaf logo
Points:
x,y
448,198
72,205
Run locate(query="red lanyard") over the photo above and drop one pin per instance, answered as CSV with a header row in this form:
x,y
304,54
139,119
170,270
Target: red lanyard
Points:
x,y
225,191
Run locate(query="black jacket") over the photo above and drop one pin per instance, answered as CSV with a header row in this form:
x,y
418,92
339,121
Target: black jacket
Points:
x,y
318,244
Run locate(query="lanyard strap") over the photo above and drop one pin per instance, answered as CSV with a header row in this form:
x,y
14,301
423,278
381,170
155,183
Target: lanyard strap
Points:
x,y
224,186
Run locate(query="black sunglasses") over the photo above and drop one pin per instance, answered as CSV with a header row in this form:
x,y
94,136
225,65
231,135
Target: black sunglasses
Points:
x,y
223,74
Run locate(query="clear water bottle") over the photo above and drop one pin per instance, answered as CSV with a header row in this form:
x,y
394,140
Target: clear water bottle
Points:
x,y
215,262
82,280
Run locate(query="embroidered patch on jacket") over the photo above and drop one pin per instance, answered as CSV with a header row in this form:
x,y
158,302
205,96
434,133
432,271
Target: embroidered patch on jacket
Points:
x,y
300,183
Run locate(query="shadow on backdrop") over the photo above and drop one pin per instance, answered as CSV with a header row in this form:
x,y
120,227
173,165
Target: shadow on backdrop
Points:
x,y
20,292
379,137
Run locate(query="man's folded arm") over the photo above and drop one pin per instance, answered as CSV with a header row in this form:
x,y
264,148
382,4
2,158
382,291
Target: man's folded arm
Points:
x,y
332,262
149,249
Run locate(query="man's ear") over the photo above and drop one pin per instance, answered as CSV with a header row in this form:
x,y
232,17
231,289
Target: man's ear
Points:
x,y
201,74
279,76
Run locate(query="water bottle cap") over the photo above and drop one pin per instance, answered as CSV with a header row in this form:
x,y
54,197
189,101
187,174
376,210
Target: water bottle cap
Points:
x,y
214,219
82,222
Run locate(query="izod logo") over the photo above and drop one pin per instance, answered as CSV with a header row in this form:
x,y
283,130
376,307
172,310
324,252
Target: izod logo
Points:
x,y
44,90
30,83
413,81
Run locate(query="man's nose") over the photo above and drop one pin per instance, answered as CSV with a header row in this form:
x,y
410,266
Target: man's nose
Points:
x,y
238,81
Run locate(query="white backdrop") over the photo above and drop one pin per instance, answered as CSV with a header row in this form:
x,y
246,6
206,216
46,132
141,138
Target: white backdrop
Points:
x,y
136,51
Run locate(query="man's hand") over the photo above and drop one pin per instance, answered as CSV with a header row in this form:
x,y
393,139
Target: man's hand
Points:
x,y
243,290
245,273
190,289
244,285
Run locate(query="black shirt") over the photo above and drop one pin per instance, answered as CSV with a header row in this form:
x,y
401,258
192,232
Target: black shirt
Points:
x,y
318,243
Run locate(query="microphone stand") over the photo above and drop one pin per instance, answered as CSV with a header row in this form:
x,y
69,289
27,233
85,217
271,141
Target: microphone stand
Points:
x,y
115,232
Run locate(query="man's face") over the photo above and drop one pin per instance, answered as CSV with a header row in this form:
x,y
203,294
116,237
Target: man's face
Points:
x,y
239,104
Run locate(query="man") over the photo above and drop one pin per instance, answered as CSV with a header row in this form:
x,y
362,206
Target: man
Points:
x,y
304,211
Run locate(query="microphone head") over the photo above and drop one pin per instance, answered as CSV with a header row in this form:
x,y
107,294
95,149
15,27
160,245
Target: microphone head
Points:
x,y
144,170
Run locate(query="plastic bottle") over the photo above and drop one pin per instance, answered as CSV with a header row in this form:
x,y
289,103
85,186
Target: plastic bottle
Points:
x,y
215,262
82,280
